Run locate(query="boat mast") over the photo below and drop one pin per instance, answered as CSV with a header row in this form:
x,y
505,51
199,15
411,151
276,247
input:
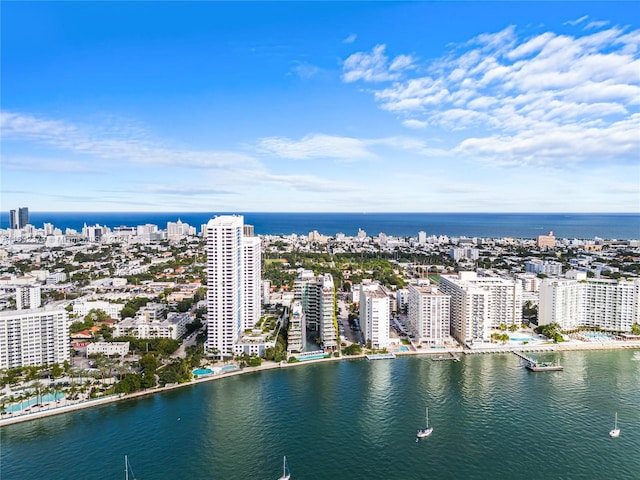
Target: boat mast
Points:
x,y
126,469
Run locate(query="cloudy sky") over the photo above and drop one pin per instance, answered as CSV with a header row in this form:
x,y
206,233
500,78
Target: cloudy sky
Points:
x,y
350,107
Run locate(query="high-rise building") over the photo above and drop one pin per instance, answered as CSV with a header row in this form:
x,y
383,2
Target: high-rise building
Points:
x,y
233,280
224,283
374,314
28,297
13,219
297,333
429,314
23,217
576,301
479,304
252,269
34,337
316,294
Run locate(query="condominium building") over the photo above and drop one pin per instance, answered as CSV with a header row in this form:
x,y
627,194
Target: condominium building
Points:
x,y
142,326
316,294
28,297
297,328
34,337
252,269
224,283
374,314
467,253
479,304
82,308
550,268
576,301
428,314
233,279
546,241
108,348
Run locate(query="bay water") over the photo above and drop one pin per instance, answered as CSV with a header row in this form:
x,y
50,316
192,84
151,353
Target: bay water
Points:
x,y
356,419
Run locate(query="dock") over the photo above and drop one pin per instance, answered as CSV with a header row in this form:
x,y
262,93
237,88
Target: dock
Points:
x,y
381,356
452,356
536,366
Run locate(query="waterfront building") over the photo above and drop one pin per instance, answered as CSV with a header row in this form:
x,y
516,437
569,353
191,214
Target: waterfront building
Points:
x,y
479,304
297,334
402,299
34,337
316,294
575,301
546,241
422,237
178,230
233,279
374,314
428,314
252,270
28,297
546,267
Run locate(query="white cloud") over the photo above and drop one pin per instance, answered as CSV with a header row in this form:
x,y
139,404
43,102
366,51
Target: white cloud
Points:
x,y
316,146
306,70
113,145
523,96
350,39
577,21
596,24
375,66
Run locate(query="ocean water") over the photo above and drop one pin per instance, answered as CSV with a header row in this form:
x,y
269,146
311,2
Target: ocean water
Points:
x,y
519,225
357,420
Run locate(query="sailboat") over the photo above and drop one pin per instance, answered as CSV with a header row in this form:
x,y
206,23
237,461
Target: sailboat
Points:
x,y
425,432
615,433
127,468
285,470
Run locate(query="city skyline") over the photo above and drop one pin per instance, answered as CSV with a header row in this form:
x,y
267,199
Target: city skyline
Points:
x,y
368,107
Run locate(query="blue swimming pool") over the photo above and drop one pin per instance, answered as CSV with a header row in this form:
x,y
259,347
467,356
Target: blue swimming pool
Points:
x,y
404,349
228,368
313,357
202,371
49,397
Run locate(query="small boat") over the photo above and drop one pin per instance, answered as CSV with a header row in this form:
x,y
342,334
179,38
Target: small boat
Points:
x,y
285,470
425,432
615,433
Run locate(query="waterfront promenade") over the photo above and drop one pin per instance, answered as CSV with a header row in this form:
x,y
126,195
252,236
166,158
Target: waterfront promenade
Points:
x,y
40,412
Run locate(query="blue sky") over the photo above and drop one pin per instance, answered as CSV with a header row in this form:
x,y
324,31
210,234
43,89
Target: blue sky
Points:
x,y
314,106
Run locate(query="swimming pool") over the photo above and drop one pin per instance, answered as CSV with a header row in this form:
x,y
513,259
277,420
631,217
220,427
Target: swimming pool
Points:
x,y
521,339
228,368
313,357
202,371
404,349
49,397
597,335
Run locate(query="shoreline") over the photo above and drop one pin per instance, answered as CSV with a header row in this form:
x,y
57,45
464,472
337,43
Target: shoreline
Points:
x,y
560,347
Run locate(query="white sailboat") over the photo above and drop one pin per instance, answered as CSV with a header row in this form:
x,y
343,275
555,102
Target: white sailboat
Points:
x,y
425,432
615,433
285,470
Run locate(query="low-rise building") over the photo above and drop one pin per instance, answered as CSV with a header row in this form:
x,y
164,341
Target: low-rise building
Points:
x,y
108,348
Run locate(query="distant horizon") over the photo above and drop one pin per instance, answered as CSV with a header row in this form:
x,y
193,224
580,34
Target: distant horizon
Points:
x,y
350,212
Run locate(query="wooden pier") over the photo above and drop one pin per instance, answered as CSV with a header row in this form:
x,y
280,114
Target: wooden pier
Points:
x,y
449,356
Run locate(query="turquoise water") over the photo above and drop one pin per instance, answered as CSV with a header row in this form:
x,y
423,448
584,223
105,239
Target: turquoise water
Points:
x,y
521,339
356,420
597,335
49,397
228,368
202,371
404,349
312,357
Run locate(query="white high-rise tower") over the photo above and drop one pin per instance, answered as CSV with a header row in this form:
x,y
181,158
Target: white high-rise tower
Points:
x,y
233,280
224,283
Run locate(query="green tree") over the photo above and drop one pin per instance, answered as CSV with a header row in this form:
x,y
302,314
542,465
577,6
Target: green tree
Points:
x,y
635,329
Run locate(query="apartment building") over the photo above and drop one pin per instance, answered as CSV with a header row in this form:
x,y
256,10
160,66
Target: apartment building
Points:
x,y
428,314
374,314
316,294
34,337
575,301
479,304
